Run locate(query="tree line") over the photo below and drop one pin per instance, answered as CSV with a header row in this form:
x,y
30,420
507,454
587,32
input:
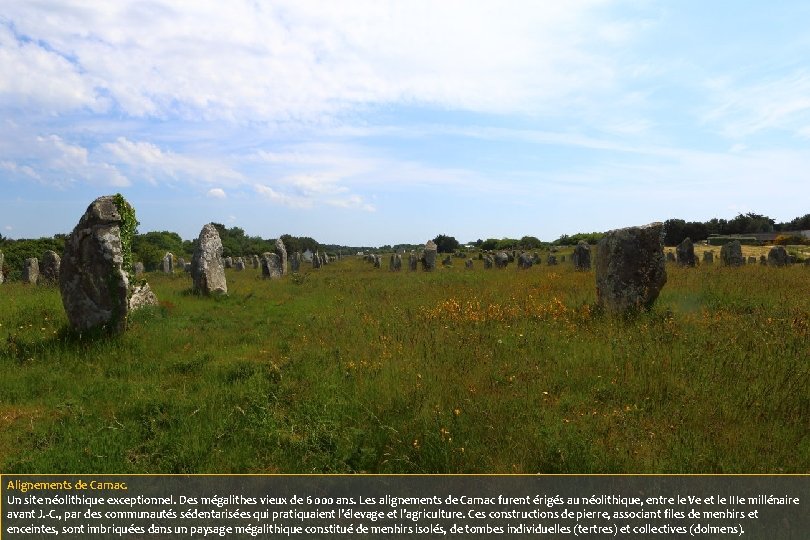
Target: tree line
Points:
x,y
149,248
676,230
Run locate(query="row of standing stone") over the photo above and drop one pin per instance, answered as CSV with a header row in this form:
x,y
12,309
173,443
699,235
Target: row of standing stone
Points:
x,y
730,255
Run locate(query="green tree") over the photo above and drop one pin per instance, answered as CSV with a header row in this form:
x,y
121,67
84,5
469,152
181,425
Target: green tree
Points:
x,y
530,242
446,244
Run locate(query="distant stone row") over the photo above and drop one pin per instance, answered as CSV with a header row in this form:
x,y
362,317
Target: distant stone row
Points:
x,y
730,255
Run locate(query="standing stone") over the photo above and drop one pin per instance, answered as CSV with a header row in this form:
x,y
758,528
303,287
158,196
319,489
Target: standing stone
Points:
x,y
227,262
685,253
181,263
731,254
137,268
752,260
536,258
582,256
468,264
552,260
763,260
524,261
413,262
501,259
630,268
256,262
1,266
295,262
93,281
316,260
31,271
281,251
778,256
671,257
429,256
168,263
488,262
142,296
447,261
207,269
395,264
708,257
50,267
240,264
271,266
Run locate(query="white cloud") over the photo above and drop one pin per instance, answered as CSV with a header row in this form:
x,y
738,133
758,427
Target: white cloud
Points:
x,y
20,169
293,59
353,201
281,198
36,77
153,164
742,109
216,193
57,163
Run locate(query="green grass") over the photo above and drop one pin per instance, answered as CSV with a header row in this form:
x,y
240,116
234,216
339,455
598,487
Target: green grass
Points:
x,y
352,369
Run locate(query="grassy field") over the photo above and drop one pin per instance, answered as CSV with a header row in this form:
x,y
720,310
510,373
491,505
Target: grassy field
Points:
x,y
352,369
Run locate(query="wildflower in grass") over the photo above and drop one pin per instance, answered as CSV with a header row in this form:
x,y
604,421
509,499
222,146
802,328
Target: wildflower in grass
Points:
x,y
457,411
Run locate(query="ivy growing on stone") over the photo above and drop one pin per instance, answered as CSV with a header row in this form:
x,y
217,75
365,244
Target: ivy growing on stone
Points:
x,y
129,227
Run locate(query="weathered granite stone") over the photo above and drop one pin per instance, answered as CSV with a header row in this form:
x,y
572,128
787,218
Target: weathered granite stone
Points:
x,y
256,262
31,271
181,263
501,259
142,296
671,257
536,258
281,251
168,263
207,268
731,254
413,262
429,256
763,260
489,262
92,280
137,268
685,253
295,262
778,256
524,261
552,260
630,269
468,264
447,261
582,256
227,262
395,264
708,257
239,264
271,266
752,260
49,269
316,260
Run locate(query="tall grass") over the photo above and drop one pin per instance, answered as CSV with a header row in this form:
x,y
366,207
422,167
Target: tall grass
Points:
x,y
352,369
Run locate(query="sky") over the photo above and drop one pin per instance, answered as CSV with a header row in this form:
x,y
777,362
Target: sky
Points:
x,y
368,123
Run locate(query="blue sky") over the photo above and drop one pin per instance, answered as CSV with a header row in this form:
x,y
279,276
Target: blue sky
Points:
x,y
371,123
